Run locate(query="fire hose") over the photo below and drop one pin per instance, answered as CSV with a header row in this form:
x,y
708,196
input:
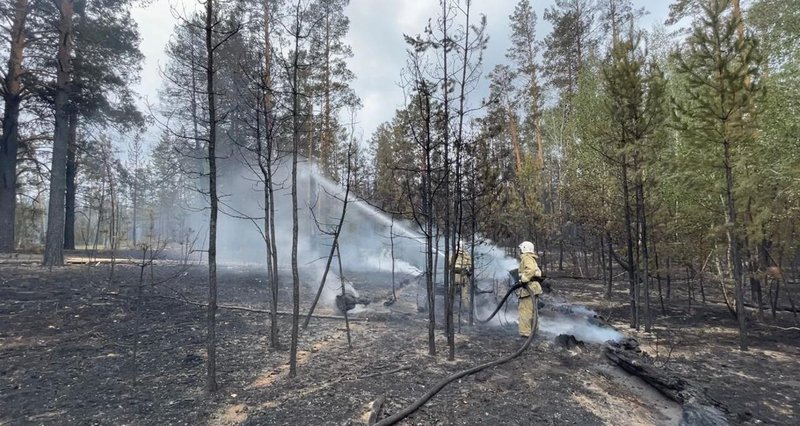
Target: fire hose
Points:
x,y
503,302
449,379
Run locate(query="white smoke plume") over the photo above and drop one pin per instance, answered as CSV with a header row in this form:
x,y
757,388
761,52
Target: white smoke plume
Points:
x,y
364,240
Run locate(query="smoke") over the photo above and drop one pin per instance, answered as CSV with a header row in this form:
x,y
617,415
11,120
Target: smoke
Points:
x,y
365,241
561,317
555,318
382,262
578,327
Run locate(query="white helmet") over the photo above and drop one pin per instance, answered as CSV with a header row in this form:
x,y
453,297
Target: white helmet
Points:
x,y
527,247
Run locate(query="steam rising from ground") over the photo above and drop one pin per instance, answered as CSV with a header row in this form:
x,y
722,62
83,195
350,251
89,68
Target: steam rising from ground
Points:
x,y
579,327
560,318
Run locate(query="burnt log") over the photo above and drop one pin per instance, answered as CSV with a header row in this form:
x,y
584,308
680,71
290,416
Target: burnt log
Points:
x,y
569,342
348,301
698,407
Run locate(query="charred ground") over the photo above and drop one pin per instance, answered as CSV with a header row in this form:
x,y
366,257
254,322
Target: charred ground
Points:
x,y
67,337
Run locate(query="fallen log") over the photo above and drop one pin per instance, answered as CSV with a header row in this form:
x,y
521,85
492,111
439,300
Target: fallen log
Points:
x,y
256,310
698,407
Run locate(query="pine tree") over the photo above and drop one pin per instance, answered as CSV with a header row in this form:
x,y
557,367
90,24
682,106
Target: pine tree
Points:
x,y
720,68
12,91
54,242
330,76
569,43
523,53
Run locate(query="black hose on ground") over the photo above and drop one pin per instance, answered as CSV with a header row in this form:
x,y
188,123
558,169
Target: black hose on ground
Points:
x,y
447,380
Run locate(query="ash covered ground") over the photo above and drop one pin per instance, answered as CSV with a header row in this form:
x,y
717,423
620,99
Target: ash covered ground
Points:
x,y
67,340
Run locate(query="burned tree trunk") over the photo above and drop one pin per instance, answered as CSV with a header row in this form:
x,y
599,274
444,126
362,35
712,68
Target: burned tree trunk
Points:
x,y
72,169
211,343
629,244
734,245
296,129
9,140
265,162
54,239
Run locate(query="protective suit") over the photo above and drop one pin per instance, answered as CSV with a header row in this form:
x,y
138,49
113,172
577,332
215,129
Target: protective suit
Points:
x,y
528,272
463,270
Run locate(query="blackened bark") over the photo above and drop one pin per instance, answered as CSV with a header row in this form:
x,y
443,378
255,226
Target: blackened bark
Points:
x,y
9,139
645,253
610,266
733,241
448,234
69,213
265,163
211,342
629,242
54,239
295,147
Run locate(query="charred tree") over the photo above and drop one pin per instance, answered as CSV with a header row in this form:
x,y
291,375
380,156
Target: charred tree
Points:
x,y
9,139
265,148
211,321
54,239
297,129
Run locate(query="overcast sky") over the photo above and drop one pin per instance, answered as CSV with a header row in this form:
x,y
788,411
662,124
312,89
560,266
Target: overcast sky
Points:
x,y
376,36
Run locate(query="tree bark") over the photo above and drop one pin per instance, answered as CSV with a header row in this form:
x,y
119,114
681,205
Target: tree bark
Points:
x,y
211,343
9,140
610,289
265,163
69,213
448,267
733,241
629,242
54,239
295,146
645,253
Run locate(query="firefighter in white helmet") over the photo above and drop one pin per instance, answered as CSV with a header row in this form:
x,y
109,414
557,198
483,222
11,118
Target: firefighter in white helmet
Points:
x,y
463,270
528,271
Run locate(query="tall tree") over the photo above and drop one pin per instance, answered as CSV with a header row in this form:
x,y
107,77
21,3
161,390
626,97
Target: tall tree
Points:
x,y
12,90
54,242
217,30
295,66
523,52
329,53
720,68
569,43
266,147
635,102
211,324
106,62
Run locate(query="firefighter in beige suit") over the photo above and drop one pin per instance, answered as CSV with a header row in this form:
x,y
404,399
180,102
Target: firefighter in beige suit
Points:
x,y
528,272
463,270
